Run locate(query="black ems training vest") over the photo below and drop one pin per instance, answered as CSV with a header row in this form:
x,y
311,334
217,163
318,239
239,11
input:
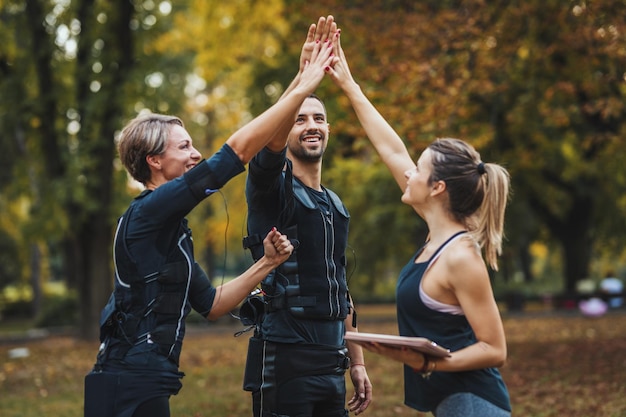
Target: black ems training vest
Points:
x,y
152,308
312,282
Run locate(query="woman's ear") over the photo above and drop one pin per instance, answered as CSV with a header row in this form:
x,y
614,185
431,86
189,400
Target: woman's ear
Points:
x,y
154,161
438,187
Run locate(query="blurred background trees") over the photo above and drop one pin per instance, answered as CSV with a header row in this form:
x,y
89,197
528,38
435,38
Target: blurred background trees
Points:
x,y
537,86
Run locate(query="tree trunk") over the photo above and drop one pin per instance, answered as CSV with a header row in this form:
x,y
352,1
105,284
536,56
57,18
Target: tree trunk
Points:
x,y
35,279
45,108
101,113
525,259
575,236
46,105
95,276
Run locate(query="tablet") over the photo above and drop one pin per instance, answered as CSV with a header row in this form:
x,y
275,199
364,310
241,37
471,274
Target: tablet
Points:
x,y
420,344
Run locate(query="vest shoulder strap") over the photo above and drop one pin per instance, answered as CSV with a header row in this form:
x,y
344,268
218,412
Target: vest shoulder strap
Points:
x,y
334,198
302,195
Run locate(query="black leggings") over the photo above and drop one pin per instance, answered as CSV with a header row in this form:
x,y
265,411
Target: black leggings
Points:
x,y
156,407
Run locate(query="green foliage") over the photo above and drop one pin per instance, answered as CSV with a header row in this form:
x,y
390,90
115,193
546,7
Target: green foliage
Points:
x,y
57,307
17,309
58,310
9,264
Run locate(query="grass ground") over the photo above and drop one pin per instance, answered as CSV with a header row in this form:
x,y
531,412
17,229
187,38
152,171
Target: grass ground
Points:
x,y
558,365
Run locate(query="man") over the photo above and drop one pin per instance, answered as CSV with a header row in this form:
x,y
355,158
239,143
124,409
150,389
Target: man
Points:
x,y
298,357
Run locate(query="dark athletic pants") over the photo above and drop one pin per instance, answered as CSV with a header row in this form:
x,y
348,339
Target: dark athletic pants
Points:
x,y
308,396
299,380
156,407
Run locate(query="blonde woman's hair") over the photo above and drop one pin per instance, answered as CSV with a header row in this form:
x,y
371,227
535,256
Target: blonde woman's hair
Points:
x,y
143,136
478,192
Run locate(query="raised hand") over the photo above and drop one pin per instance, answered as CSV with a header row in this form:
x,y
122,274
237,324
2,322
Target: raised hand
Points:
x,y
313,72
339,70
317,35
325,29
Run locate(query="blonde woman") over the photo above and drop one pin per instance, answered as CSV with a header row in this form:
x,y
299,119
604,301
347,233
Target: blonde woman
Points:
x,y
444,292
157,280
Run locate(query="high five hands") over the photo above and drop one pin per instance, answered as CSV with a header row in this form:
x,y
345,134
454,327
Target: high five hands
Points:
x,y
320,34
317,53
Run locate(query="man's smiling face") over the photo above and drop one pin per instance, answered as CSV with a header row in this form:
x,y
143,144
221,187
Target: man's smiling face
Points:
x,y
309,136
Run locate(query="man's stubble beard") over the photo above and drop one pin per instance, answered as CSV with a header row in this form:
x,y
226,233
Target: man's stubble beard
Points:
x,y
304,155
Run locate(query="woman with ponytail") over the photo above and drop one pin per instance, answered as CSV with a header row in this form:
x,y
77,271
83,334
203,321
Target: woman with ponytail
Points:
x,y
444,292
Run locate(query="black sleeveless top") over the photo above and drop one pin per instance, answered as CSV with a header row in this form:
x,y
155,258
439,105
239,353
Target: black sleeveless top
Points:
x,y
448,330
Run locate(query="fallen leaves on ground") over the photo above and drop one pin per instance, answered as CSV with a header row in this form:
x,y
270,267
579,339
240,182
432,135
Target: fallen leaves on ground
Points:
x,y
558,364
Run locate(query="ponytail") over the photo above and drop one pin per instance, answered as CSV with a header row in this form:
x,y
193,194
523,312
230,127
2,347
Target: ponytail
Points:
x,y
490,216
478,192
